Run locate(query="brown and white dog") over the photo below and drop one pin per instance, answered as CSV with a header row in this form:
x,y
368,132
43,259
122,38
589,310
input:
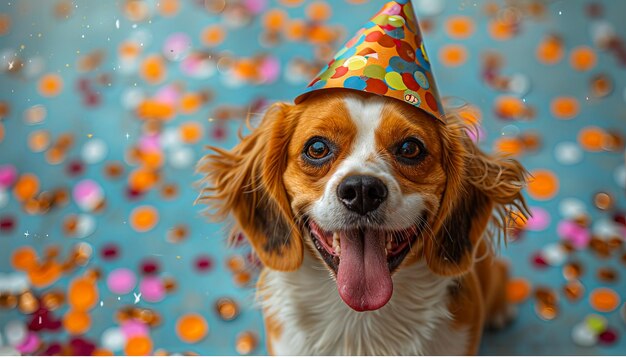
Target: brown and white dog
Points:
x,y
370,218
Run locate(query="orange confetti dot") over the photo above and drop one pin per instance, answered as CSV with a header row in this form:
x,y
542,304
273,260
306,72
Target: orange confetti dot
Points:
x,y
82,294
24,258
274,19
295,30
129,50
318,11
39,141
291,3
45,275
26,187
321,34
191,132
453,55
142,179
144,218
510,146
591,138
152,159
150,109
517,290
169,8
459,27
543,185
550,50
153,69
564,107
190,103
102,352
604,299
582,58
76,322
5,24
213,35
136,10
500,30
138,346
510,107
50,85
191,328
1,132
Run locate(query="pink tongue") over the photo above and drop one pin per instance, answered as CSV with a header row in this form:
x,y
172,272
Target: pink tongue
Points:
x,y
363,277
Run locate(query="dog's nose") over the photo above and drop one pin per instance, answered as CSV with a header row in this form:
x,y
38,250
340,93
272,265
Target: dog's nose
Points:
x,y
362,193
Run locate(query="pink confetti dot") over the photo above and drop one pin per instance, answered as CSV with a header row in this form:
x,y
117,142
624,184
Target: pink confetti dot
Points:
x,y
539,221
571,231
255,6
152,289
87,194
30,344
8,175
133,328
121,281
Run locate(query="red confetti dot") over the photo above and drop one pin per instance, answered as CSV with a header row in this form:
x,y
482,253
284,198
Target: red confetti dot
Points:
x,y
75,167
54,349
7,224
432,102
204,263
539,261
608,337
109,252
149,267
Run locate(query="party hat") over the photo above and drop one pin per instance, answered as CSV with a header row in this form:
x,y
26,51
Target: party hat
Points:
x,y
386,57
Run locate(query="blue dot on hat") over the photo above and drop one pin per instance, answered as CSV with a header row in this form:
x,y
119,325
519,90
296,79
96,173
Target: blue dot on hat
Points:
x,y
355,82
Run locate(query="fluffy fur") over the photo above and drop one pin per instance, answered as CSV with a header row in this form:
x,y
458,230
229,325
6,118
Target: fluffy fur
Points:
x,y
447,287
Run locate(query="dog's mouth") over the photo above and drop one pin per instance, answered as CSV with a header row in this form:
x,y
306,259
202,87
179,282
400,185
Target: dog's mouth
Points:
x,y
363,260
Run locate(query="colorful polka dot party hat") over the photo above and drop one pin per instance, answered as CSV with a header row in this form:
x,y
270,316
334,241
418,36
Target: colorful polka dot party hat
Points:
x,y
386,57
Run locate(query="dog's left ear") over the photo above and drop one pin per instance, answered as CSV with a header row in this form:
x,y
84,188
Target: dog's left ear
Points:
x,y
479,188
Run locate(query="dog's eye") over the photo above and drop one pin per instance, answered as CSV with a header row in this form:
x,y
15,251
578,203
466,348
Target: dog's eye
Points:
x,y
317,150
409,149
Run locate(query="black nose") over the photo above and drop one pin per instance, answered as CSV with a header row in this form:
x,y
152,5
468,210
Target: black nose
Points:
x,y
361,193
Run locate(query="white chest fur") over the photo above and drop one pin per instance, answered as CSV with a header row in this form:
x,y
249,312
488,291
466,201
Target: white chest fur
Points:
x,y
315,321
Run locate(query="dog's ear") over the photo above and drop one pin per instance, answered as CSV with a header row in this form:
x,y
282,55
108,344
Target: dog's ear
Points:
x,y
479,189
247,184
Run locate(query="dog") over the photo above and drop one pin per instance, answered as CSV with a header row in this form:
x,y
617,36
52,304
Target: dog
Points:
x,y
375,225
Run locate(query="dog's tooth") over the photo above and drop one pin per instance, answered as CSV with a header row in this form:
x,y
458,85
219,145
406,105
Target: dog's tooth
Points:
x,y
386,252
389,245
336,243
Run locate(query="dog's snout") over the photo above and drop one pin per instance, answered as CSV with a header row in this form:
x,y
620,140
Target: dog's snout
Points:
x,y
362,193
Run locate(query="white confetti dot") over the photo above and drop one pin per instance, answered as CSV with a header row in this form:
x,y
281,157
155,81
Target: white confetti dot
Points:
x,y
568,153
15,333
113,339
182,157
85,226
583,336
170,139
94,151
4,198
620,176
605,229
132,97
429,7
570,208
554,254
17,282
9,351
519,84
